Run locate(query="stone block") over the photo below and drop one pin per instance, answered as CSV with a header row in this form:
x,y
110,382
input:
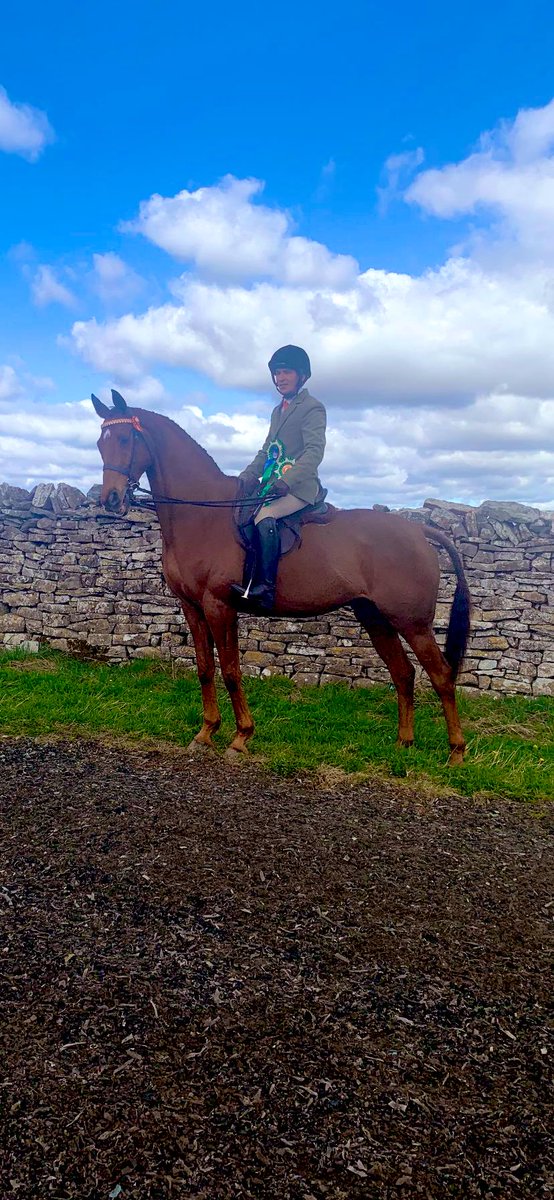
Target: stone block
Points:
x,y
543,686
507,510
308,678
340,668
524,669
531,596
22,642
254,658
468,679
65,497
41,495
310,651
11,623
133,639
12,495
510,686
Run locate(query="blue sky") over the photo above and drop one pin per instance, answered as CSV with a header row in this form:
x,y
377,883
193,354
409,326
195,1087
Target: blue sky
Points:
x,y
377,134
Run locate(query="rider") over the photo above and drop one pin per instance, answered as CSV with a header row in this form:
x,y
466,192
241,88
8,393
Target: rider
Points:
x,y
287,464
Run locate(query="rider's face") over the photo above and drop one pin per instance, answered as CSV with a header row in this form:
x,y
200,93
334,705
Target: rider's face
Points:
x,y
287,382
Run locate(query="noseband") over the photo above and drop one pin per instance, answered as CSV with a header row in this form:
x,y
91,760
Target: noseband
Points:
x,y
137,429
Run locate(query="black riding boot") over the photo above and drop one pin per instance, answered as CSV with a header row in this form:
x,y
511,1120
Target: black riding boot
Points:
x,y
261,595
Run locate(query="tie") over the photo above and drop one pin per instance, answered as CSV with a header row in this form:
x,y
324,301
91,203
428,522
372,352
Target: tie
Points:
x,y
284,405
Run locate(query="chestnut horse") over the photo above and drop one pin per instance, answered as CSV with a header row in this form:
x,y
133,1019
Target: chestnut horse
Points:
x,y
380,564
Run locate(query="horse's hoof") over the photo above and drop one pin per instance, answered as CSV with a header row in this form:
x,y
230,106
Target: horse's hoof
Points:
x,y
457,754
199,747
405,743
233,755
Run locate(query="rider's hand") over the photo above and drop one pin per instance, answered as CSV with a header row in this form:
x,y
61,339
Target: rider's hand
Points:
x,y
279,487
250,482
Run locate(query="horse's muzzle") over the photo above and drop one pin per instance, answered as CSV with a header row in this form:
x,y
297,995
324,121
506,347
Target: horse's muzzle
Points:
x,y
114,503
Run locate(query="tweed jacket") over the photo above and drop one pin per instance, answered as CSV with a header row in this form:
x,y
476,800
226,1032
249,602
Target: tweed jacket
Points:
x,y
301,429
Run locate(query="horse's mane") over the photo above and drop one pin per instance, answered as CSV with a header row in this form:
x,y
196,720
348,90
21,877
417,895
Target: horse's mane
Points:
x,y
152,419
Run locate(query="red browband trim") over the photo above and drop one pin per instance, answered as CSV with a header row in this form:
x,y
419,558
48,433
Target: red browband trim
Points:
x,y
134,421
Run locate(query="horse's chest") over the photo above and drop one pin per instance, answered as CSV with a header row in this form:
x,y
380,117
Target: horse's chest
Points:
x,y
173,574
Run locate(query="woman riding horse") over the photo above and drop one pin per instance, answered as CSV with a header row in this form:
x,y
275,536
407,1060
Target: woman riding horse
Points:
x,y
287,464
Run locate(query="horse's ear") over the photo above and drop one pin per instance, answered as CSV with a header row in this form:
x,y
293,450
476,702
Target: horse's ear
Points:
x,y
118,402
101,409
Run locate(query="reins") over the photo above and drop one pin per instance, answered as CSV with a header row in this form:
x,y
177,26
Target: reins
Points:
x,y
152,501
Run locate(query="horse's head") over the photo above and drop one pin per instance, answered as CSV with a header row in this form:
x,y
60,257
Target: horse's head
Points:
x,y
124,450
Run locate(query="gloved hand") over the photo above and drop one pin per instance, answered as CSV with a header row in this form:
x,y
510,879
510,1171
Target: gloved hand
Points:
x,y
250,482
279,487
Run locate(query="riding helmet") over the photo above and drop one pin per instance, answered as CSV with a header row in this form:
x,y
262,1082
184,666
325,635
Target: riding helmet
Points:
x,y
291,358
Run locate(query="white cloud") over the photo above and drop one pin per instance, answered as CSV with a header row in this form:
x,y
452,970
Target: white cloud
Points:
x,y
397,170
23,130
380,455
113,280
46,288
10,385
510,175
448,335
326,181
437,384
225,233
474,325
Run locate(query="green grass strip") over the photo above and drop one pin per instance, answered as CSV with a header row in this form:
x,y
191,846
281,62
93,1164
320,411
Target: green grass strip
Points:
x,y
510,738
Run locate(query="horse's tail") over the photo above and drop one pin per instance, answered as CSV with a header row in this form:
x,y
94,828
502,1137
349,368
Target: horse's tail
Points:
x,y
457,635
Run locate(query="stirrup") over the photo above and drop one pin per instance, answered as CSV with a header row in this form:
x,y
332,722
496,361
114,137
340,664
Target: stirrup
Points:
x,y
240,597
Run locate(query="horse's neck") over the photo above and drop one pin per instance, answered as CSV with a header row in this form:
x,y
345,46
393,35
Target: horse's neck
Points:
x,y
182,470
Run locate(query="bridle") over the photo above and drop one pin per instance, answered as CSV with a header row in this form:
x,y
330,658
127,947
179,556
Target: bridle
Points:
x,y
132,483
152,501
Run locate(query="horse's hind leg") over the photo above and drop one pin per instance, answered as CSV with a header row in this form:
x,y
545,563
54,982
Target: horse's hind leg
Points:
x,y
205,665
424,646
389,647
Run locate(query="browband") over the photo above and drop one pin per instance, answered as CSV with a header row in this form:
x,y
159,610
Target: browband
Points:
x,y
134,421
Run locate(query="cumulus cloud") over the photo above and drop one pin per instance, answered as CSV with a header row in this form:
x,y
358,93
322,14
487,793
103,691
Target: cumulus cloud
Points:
x,y
113,279
437,384
47,288
227,234
441,383
24,130
10,385
372,456
397,170
510,175
391,338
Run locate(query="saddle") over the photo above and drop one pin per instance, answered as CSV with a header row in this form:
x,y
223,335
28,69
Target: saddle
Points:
x,y
290,527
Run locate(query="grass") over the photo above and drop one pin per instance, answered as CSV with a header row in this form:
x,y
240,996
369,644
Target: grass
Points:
x,y
510,738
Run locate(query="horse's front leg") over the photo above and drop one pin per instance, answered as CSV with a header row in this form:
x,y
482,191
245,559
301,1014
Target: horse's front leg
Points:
x,y
223,622
205,665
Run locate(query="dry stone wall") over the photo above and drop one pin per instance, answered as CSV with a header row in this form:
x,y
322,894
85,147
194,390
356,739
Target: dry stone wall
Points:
x,y
88,583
